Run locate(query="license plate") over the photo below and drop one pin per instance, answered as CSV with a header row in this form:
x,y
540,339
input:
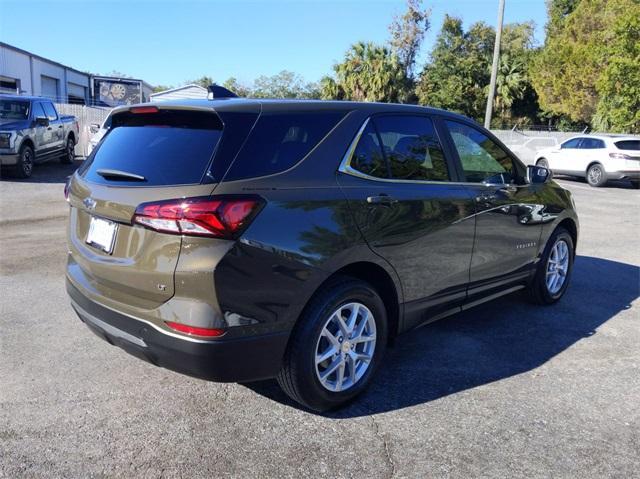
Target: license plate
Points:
x,y
102,234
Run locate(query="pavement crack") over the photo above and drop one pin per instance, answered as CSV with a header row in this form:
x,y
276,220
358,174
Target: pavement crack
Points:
x,y
385,442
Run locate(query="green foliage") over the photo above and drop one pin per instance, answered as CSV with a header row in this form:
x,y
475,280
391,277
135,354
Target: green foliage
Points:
x,y
237,88
619,84
369,72
407,32
285,84
203,81
159,88
588,68
458,74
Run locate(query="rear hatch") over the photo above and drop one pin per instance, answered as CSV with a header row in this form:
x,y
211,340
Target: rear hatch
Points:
x,y
150,154
630,148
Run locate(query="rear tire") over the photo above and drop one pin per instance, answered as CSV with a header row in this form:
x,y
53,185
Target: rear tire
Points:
x,y
69,152
635,184
554,269
318,333
24,167
596,176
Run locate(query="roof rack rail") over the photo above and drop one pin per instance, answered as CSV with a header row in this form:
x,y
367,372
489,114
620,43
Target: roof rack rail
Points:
x,y
217,91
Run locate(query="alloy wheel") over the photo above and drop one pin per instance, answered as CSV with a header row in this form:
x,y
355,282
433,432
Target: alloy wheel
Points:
x,y
345,348
27,162
595,175
557,266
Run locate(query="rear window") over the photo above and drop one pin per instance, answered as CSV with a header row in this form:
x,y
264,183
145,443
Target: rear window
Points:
x,y
628,145
170,147
279,141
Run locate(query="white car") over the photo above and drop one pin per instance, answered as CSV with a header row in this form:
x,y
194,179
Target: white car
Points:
x,y
598,158
528,150
98,131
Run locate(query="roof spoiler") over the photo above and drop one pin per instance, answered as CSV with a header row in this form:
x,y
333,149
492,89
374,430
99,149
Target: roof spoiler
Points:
x,y
217,91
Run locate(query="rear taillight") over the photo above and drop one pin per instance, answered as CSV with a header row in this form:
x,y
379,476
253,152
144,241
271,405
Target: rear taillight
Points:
x,y
143,109
218,217
619,156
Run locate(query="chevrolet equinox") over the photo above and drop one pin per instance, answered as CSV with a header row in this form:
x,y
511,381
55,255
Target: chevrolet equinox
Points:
x,y
238,240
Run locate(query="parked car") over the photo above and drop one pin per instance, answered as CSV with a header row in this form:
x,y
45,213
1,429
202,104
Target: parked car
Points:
x,y
238,240
598,158
98,131
528,150
32,131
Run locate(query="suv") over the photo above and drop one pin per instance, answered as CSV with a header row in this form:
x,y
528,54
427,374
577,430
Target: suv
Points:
x,y
598,158
238,240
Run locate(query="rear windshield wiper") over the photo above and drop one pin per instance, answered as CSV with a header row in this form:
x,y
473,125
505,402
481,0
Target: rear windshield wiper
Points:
x,y
119,174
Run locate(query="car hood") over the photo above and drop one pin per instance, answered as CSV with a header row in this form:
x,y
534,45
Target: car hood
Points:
x,y
7,124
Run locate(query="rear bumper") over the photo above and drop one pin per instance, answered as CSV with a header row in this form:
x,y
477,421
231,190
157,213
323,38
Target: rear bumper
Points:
x,y
224,360
8,160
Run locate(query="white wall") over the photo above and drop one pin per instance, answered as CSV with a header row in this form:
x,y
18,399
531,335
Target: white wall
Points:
x,y
180,93
16,65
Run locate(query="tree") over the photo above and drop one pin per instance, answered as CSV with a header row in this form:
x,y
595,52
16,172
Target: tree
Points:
x,y
159,88
369,72
285,84
458,73
203,81
232,84
407,32
619,84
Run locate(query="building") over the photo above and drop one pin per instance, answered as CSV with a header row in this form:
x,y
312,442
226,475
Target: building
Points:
x,y
25,73
186,91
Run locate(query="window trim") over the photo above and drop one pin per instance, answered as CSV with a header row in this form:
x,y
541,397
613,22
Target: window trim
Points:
x,y
346,168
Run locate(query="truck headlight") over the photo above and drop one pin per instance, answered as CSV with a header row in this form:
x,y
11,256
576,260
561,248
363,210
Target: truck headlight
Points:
x,y
5,140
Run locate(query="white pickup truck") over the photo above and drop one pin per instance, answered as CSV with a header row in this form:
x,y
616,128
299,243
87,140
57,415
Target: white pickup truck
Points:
x,y
32,131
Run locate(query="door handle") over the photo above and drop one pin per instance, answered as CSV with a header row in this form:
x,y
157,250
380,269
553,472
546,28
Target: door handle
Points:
x,y
381,199
59,126
49,128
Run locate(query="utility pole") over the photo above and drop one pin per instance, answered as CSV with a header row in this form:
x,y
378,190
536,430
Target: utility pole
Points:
x,y
494,66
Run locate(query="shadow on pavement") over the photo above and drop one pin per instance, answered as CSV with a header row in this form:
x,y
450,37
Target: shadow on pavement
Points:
x,y
491,342
50,172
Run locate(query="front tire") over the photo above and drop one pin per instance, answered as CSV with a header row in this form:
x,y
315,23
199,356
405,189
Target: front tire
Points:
x,y
554,269
596,176
336,347
24,167
69,152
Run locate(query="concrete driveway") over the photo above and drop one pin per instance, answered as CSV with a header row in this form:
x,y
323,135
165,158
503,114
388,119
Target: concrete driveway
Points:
x,y
503,390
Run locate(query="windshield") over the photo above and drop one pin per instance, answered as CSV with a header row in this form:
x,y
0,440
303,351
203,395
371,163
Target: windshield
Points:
x,y
14,110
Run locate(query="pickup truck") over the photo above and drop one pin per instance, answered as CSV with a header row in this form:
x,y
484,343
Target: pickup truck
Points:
x,y
32,131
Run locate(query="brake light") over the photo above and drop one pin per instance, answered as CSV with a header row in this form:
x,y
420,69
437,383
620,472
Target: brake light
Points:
x,y
183,328
143,109
217,217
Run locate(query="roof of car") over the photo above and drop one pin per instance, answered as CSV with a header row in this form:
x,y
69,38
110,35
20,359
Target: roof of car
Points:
x,y
22,97
275,105
605,136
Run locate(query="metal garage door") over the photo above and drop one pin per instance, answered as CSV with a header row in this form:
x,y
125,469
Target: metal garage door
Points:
x,y
50,87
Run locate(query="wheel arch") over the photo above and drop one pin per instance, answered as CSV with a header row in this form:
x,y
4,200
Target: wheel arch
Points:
x,y
381,281
27,141
570,225
72,135
595,162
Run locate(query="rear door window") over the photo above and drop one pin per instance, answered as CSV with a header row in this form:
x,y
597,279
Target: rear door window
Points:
x,y
50,111
367,158
412,148
279,141
168,147
628,145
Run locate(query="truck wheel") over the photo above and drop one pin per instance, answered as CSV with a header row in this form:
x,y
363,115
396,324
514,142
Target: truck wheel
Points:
x,y
24,167
596,175
336,346
69,152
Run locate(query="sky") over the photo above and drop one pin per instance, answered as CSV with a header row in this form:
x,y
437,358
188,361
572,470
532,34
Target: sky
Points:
x,y
170,42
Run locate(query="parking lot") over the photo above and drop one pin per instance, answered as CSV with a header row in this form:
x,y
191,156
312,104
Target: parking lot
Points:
x,y
506,389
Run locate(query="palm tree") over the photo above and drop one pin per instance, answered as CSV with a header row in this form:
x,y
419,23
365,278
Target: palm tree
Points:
x,y
511,83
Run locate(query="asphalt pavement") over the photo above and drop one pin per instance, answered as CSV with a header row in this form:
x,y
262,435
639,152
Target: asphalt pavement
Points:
x,y
503,390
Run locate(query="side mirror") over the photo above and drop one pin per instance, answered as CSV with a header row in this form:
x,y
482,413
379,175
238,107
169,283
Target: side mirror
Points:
x,y
94,128
42,121
538,174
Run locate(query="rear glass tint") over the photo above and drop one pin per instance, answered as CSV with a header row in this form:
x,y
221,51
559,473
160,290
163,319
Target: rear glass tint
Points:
x,y
279,141
166,148
628,145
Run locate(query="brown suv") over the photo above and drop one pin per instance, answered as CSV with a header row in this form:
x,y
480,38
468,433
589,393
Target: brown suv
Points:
x,y
238,240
